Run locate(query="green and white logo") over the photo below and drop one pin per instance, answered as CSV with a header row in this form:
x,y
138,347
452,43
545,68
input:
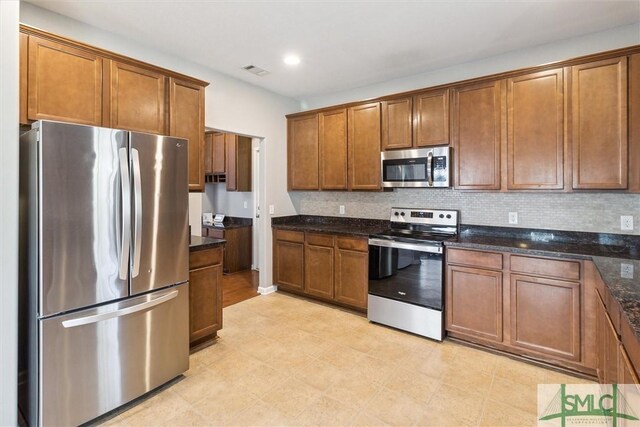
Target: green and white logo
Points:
x,y
593,404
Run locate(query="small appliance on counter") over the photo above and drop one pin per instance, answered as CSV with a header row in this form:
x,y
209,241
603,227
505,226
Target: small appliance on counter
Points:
x,y
218,220
207,218
406,270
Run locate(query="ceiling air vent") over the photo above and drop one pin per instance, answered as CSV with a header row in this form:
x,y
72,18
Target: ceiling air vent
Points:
x,y
255,70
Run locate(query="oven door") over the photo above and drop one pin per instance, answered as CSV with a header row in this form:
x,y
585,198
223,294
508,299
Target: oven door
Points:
x,y
406,272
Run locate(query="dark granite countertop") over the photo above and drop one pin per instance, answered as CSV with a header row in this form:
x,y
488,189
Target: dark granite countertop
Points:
x,y
198,243
330,224
231,222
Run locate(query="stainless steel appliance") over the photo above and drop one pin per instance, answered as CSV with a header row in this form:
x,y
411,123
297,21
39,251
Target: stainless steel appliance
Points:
x,y
104,269
406,274
421,167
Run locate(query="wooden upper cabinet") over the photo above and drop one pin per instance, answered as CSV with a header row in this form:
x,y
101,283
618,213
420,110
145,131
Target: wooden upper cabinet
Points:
x,y
186,120
138,99
397,124
364,147
535,135
219,150
208,152
64,83
333,149
24,78
599,124
303,153
431,118
476,135
238,162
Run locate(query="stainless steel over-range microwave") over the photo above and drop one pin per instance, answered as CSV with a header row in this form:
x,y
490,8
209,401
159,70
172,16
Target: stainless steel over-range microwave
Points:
x,y
420,167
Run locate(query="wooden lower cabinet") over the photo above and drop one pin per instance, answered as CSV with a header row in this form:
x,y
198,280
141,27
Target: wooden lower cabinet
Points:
x,y
323,266
238,251
205,294
474,302
529,306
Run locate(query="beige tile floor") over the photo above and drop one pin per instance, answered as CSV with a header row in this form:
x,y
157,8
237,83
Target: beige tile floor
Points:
x,y
282,360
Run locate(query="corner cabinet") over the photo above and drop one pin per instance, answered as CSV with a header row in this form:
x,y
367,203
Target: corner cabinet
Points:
x,y
69,81
205,294
331,268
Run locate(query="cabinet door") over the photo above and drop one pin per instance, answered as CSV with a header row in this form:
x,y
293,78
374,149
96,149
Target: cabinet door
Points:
x,y
64,83
318,271
474,302
138,98
607,346
599,124
24,78
205,302
333,150
231,157
186,120
364,147
219,159
476,136
288,265
351,277
557,332
302,153
242,165
431,118
397,124
535,135
626,372
208,153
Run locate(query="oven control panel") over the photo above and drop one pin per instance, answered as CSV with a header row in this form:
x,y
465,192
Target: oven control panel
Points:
x,y
425,216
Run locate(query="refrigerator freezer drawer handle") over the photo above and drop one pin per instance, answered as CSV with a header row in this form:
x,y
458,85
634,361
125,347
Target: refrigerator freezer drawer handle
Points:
x,y
137,195
125,232
119,313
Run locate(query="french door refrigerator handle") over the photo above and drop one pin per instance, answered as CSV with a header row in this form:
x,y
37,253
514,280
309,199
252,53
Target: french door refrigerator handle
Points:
x,y
137,225
125,231
80,321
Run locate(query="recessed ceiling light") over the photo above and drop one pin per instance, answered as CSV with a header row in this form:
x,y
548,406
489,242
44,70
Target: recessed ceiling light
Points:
x,y
292,59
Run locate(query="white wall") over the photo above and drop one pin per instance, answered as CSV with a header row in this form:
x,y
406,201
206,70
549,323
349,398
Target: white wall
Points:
x,y
565,49
230,105
218,200
9,212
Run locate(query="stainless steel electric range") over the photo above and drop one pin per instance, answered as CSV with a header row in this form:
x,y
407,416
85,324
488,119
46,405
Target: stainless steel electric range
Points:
x,y
406,270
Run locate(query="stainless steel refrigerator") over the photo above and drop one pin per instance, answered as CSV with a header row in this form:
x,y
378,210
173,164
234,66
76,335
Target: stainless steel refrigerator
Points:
x,y
104,269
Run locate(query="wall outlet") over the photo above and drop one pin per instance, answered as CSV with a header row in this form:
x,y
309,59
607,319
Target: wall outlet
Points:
x,y
272,209
341,209
513,217
626,222
246,204
626,271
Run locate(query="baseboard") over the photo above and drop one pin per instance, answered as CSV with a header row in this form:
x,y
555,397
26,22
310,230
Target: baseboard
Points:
x,y
265,290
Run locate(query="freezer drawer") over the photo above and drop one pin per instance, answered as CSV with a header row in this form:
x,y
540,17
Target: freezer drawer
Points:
x,y
98,359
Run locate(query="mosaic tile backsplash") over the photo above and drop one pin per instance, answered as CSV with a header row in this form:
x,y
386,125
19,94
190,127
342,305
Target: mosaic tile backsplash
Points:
x,y
592,212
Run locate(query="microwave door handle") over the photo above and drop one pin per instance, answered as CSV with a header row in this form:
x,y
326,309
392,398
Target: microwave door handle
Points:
x,y
430,168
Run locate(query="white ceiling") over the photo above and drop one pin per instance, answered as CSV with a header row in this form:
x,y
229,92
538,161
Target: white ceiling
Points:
x,y
343,44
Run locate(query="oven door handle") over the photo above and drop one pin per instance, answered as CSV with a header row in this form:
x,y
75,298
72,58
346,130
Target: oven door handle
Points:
x,y
402,245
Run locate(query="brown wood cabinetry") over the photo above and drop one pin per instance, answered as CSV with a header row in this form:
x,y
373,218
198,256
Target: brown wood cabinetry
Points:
x,y
474,302
302,153
238,162
530,306
205,294
599,124
138,98
69,81
535,135
333,149
318,265
219,153
329,267
431,118
64,83
288,260
238,249
476,135
186,120
364,147
607,345
397,123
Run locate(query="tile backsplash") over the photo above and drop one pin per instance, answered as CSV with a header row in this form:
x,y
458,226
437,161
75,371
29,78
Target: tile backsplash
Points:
x,y
591,212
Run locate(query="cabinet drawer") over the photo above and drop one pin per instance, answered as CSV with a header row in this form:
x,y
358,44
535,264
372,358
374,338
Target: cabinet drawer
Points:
x,y
546,267
199,259
319,239
353,243
475,258
290,236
